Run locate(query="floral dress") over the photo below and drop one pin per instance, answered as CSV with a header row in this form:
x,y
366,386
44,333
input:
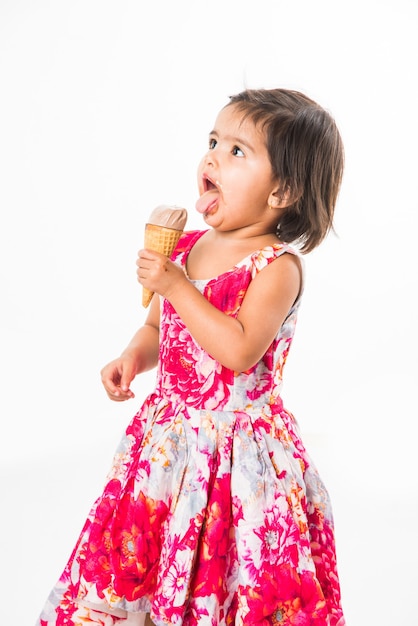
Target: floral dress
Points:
x,y
213,513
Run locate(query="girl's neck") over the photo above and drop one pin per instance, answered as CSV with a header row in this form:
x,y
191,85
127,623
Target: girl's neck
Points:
x,y
215,253
250,238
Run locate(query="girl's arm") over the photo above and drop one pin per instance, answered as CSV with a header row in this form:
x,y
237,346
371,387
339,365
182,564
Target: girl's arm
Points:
x,y
140,355
236,343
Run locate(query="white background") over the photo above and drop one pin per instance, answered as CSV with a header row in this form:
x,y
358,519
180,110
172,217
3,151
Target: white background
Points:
x,y
105,109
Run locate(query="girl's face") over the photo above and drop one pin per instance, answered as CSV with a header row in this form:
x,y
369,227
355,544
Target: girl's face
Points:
x,y
235,177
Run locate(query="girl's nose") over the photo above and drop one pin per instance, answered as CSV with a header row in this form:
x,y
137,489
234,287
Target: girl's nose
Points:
x,y
210,157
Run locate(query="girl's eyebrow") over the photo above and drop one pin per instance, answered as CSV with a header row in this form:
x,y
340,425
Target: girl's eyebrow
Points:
x,y
232,138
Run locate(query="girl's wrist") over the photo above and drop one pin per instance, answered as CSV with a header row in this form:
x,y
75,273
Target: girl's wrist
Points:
x,y
177,288
133,354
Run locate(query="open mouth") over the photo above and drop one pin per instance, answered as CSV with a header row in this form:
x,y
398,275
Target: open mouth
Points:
x,y
209,198
208,184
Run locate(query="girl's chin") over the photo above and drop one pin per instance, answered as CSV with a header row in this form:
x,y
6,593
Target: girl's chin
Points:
x,y
206,216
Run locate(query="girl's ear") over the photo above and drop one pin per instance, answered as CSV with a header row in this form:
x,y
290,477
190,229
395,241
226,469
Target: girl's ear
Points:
x,y
282,197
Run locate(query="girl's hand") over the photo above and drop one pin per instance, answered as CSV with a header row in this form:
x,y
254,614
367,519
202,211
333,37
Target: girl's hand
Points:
x,y
157,273
117,377
140,355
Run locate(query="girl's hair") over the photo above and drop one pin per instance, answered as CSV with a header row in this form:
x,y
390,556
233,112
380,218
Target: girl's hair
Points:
x,y
306,154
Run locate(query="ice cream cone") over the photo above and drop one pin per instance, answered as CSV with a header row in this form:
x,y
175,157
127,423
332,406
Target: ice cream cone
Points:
x,y
163,240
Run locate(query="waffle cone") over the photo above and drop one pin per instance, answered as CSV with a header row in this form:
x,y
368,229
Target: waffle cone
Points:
x,y
160,239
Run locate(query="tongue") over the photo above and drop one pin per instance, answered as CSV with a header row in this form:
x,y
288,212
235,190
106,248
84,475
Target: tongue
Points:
x,y
207,200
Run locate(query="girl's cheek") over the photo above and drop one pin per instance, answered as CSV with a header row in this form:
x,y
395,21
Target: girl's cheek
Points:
x,y
199,175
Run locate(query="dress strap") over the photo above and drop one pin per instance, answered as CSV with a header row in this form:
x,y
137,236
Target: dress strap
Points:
x,y
261,258
184,245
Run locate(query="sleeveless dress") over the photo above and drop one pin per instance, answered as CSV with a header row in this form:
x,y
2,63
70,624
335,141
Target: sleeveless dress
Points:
x,y
213,513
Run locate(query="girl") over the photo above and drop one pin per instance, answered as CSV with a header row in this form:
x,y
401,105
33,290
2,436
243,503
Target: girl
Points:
x,y
213,513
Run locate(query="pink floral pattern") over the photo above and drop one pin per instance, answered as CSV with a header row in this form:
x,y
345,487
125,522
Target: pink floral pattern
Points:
x,y
213,513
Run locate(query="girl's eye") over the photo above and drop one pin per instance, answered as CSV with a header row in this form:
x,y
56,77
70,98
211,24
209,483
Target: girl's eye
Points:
x,y
212,144
237,151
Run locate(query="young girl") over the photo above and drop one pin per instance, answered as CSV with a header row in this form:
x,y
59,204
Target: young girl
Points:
x,y
213,513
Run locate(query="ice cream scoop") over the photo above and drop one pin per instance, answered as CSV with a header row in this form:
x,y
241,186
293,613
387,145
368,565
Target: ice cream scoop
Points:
x,y
162,231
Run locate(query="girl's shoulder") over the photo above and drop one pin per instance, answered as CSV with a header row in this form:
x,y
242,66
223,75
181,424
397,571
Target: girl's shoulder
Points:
x,y
262,258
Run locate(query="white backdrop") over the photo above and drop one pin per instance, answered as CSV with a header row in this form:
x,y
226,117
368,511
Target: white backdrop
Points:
x,y
105,108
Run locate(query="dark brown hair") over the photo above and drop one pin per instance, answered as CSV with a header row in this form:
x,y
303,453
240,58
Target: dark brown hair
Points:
x,y
307,156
